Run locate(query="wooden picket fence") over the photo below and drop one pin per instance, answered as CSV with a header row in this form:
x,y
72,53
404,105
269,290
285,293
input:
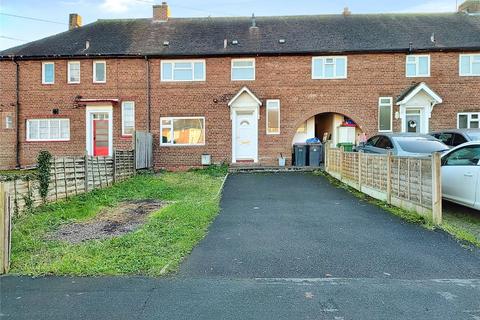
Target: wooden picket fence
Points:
x,y
406,182
71,176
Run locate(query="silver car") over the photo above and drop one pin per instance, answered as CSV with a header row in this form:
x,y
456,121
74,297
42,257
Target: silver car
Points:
x,y
403,144
455,137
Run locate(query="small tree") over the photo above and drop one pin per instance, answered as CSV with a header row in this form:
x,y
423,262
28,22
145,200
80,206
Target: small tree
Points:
x,y
43,172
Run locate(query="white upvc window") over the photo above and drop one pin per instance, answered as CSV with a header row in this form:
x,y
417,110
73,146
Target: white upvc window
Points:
x,y
329,67
99,71
385,114
243,69
8,122
273,117
182,131
183,70
128,118
48,72
468,120
73,72
48,129
469,65
417,66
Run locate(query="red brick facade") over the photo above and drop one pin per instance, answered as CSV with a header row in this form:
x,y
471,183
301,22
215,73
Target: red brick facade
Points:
x,y
287,78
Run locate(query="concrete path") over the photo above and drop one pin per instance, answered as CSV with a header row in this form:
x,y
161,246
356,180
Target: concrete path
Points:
x,y
285,246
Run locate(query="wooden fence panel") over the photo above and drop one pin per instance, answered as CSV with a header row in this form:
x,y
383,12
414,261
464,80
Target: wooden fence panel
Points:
x,y
143,150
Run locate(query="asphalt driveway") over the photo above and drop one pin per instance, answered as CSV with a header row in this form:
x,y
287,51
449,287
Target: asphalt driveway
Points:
x,y
285,246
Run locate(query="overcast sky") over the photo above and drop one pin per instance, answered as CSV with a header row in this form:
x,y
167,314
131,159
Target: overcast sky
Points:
x,y
16,30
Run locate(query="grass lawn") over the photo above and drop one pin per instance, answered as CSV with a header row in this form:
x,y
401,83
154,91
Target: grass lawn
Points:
x,y
154,249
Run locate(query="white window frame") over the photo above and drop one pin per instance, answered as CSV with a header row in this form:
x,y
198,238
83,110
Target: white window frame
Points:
x,y
49,121
390,104
8,122
79,72
171,144
192,62
95,71
266,117
469,118
123,118
43,72
417,65
239,60
324,58
471,74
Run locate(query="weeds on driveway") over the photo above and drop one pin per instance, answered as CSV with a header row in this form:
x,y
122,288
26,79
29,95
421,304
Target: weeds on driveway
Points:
x,y
451,224
155,248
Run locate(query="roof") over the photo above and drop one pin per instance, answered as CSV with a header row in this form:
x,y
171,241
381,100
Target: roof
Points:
x,y
414,89
302,34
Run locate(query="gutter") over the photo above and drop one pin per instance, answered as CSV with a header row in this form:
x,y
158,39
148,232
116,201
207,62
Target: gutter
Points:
x,y
17,116
147,62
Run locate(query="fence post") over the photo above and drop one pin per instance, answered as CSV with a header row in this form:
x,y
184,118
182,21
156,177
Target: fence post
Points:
x,y
360,157
5,220
341,162
436,189
85,164
389,177
114,165
325,158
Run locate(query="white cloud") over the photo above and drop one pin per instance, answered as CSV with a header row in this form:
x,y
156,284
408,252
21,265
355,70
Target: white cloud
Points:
x,y
117,6
433,6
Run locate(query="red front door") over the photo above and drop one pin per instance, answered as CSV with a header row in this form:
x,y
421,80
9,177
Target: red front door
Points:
x,y
100,137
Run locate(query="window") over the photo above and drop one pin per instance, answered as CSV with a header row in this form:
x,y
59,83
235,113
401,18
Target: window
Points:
x,y
385,105
470,65
329,68
128,118
273,116
8,122
73,72
99,71
466,156
48,130
468,120
48,72
182,131
384,143
182,70
372,141
243,69
418,66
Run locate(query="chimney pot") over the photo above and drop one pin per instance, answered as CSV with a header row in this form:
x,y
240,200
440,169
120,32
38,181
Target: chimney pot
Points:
x,y
161,12
74,21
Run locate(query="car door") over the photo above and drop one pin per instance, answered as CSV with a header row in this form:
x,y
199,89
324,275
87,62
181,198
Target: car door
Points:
x,y
460,173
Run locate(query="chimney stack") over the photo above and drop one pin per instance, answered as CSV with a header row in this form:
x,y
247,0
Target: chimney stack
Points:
x,y
161,12
346,12
470,7
74,21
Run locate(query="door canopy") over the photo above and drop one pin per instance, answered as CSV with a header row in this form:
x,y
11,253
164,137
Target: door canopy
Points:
x,y
419,90
245,97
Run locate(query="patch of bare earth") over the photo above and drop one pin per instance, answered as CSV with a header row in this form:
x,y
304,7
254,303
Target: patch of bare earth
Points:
x,y
110,222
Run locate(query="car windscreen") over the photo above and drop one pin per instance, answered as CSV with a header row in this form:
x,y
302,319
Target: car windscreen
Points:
x,y
474,136
419,145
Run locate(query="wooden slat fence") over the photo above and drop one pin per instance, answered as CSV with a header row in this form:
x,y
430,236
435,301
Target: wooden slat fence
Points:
x,y
406,182
71,176
143,150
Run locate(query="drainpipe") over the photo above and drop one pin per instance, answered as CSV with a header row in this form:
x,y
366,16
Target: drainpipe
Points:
x,y
17,117
147,61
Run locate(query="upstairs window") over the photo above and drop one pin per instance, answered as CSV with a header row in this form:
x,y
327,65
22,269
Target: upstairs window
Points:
x,y
8,122
48,72
468,120
385,105
48,130
418,66
73,72
273,116
99,71
329,68
182,131
470,65
243,69
182,70
128,118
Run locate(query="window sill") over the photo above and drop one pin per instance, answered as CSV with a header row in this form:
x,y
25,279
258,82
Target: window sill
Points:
x,y
42,141
181,145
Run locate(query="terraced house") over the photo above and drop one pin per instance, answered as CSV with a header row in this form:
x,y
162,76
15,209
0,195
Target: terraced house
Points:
x,y
239,89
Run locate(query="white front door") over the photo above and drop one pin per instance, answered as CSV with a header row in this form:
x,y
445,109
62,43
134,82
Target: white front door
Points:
x,y
245,139
413,121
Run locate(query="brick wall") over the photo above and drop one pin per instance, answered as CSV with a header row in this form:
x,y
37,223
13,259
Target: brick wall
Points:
x,y
287,78
7,108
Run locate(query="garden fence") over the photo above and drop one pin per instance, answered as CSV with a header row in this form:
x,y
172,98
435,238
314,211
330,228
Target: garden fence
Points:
x,y
407,182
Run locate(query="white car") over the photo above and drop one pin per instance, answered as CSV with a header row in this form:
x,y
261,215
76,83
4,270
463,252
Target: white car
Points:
x,y
460,174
